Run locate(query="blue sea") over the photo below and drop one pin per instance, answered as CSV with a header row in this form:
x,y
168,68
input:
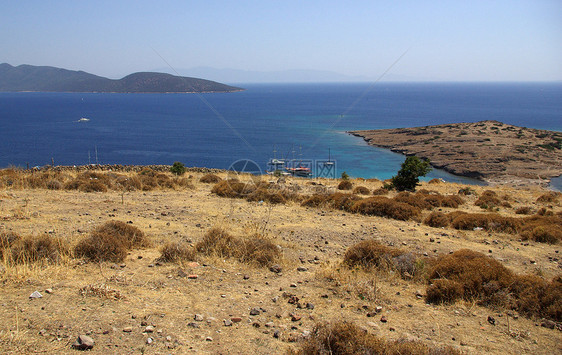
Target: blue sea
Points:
x,y
307,122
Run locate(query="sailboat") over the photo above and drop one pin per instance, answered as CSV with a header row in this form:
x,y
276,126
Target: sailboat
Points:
x,y
299,169
329,162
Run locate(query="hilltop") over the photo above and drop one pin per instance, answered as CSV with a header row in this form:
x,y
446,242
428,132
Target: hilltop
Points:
x,y
488,150
225,263
52,79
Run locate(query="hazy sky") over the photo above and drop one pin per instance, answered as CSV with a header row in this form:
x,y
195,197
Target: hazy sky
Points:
x,y
506,40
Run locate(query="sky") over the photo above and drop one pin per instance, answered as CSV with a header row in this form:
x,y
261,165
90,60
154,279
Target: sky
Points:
x,y
504,40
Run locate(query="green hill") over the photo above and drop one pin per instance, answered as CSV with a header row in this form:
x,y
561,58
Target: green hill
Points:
x,y
51,79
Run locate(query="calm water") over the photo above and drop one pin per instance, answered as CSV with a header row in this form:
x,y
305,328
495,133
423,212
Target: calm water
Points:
x,y
302,121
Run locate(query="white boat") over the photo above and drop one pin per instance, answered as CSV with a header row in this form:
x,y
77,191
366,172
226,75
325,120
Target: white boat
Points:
x,y
83,119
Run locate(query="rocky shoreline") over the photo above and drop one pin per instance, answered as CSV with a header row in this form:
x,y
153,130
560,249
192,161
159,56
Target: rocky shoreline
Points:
x,y
490,151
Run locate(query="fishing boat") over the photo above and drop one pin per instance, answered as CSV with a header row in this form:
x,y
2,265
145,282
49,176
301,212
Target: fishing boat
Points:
x,y
300,170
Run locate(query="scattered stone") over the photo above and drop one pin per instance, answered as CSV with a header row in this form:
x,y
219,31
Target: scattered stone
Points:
x,y
302,269
309,306
277,334
193,325
383,319
269,324
208,339
149,340
256,325
49,291
227,322
255,312
491,320
276,268
246,277
275,299
419,294
236,319
392,329
35,294
198,317
378,309
83,342
192,276
128,329
371,314
293,285
295,317
149,329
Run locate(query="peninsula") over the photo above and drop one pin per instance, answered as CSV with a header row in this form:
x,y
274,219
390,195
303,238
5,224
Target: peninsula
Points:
x,y
51,79
487,150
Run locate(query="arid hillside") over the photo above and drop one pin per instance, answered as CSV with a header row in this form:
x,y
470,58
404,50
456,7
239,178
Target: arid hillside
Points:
x,y
143,261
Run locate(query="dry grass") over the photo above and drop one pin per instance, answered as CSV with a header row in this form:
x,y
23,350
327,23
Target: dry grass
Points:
x,y
346,338
361,190
384,207
543,229
110,242
549,197
177,252
102,291
16,250
345,185
253,250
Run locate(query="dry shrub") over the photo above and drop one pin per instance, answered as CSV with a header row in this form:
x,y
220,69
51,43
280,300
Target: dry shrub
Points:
x,y
255,249
544,229
11,178
444,291
341,201
345,185
315,200
434,181
384,207
537,297
54,184
524,210
128,183
210,179
32,249
110,242
370,254
545,212
361,190
265,194
425,199
182,182
480,276
437,220
233,189
380,191
176,252
549,197
345,338
488,221
466,191
92,186
415,200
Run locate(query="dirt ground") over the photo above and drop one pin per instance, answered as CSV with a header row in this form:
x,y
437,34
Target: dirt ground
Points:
x,y
194,306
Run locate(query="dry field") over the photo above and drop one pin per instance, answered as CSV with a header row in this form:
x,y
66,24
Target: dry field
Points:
x,y
215,290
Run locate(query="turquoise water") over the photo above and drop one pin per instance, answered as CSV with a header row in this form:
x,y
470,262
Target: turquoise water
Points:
x,y
215,130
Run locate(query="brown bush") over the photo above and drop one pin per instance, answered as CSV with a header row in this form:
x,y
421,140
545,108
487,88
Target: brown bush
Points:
x,y
128,183
345,185
370,254
233,189
361,190
437,220
524,210
487,221
32,249
435,181
544,229
549,197
537,297
53,184
488,200
341,201
252,250
92,186
444,291
343,338
380,191
481,277
315,200
415,200
110,242
545,212
176,252
265,194
384,207
210,179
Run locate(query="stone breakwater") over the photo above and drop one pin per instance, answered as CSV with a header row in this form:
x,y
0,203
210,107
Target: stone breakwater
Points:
x,y
120,168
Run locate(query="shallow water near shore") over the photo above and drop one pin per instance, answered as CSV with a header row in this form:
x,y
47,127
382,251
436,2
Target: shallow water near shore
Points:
x,y
300,121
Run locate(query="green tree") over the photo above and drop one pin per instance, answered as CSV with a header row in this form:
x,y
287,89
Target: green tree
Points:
x,y
344,176
178,168
407,177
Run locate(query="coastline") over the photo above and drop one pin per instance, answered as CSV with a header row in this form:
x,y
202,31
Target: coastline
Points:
x,y
489,151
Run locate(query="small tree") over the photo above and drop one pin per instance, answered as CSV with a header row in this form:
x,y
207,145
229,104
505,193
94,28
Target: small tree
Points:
x,y
178,168
407,177
344,176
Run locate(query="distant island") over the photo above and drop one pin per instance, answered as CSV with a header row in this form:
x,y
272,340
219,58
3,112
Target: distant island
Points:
x,y
52,79
488,150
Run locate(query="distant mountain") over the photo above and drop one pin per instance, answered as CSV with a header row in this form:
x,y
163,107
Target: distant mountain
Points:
x,y
228,75
51,79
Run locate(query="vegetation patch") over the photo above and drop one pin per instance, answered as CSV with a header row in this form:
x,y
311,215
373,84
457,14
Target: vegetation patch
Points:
x,y
210,179
17,250
361,190
345,185
385,207
177,252
344,337
110,242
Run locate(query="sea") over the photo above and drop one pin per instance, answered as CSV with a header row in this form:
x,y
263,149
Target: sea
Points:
x,y
303,123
